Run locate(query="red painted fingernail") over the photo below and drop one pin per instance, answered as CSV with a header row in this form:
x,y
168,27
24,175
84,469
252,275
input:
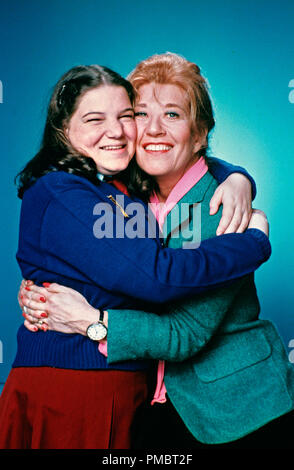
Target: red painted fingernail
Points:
x,y
24,315
44,315
42,299
27,288
21,296
46,284
35,328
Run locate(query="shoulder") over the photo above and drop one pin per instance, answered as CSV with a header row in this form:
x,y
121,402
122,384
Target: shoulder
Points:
x,y
212,185
209,223
62,190
57,184
62,181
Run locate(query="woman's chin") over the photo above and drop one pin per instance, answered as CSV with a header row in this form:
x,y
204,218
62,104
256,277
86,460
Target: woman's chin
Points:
x,y
156,171
117,167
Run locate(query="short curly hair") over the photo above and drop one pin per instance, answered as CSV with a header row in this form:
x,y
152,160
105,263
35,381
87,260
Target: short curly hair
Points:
x,y
170,68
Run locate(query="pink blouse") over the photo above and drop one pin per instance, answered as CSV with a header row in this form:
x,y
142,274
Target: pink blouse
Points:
x,y
160,210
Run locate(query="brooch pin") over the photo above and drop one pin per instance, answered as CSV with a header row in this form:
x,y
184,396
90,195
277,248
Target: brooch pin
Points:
x,y
118,205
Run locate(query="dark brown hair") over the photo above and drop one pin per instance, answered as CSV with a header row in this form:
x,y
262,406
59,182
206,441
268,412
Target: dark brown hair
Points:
x,y
56,152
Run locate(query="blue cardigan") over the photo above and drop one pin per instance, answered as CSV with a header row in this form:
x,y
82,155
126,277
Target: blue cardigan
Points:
x,y
57,244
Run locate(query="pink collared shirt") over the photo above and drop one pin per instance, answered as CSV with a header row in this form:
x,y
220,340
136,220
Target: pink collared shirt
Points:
x,y
160,211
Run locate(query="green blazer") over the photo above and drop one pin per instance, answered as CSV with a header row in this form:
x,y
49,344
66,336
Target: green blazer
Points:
x,y
227,372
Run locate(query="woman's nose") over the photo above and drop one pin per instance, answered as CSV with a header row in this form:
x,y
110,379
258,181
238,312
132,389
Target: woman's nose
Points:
x,y
155,127
115,129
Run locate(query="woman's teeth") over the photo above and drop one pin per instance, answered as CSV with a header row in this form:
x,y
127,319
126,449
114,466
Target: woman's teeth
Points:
x,y
113,147
158,147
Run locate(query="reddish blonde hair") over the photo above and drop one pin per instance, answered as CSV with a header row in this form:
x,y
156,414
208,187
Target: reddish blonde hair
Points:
x,y
170,68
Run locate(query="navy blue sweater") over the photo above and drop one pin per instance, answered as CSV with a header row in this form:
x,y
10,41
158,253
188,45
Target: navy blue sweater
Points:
x,y
57,243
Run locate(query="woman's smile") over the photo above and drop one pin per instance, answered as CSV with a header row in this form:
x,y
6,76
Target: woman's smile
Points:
x,y
166,146
104,129
157,147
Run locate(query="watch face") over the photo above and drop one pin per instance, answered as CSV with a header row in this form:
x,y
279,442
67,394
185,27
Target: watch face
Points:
x,y
97,331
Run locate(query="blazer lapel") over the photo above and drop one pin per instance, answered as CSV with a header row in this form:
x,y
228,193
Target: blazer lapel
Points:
x,y
179,217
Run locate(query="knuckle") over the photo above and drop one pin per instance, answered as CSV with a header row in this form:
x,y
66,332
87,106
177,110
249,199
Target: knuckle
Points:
x,y
224,220
237,221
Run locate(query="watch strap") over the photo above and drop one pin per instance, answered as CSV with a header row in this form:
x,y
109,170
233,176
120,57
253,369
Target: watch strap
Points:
x,y
101,316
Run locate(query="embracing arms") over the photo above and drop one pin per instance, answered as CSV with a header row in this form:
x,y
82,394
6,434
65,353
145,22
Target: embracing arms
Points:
x,y
187,328
175,336
264,245
141,267
235,192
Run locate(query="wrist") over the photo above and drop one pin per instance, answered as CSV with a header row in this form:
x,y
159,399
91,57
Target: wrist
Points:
x,y
263,242
97,330
91,316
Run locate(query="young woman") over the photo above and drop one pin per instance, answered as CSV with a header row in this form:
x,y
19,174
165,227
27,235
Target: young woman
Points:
x,y
61,392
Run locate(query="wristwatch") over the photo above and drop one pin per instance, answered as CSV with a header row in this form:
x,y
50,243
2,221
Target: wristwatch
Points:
x,y
97,331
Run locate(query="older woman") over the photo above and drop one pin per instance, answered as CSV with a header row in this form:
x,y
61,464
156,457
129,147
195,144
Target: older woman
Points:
x,y
62,392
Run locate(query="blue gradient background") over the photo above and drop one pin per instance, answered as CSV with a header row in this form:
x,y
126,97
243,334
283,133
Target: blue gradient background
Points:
x,y
244,47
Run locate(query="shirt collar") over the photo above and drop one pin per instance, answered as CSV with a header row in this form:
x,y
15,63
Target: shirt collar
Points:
x,y
183,186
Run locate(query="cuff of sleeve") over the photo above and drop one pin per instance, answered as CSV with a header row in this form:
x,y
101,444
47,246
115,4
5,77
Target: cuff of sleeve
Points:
x,y
239,169
222,169
114,342
263,242
253,184
121,341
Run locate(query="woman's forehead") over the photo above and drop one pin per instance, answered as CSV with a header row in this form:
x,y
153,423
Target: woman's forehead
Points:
x,y
164,94
104,96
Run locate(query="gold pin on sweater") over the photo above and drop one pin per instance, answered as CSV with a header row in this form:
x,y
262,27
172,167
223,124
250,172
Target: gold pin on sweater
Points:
x,y
118,205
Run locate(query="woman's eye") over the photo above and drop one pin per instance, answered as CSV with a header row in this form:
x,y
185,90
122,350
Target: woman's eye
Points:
x,y
127,116
95,120
140,114
172,114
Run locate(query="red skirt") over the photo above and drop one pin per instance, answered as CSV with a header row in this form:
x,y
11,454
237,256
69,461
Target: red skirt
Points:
x,y
48,408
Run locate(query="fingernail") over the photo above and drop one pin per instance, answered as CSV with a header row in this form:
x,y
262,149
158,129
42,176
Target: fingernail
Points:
x,y
46,284
24,315
21,296
44,315
42,299
27,288
35,328
44,327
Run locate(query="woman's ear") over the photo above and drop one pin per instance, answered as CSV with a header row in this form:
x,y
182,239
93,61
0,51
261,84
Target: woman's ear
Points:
x,y
200,141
